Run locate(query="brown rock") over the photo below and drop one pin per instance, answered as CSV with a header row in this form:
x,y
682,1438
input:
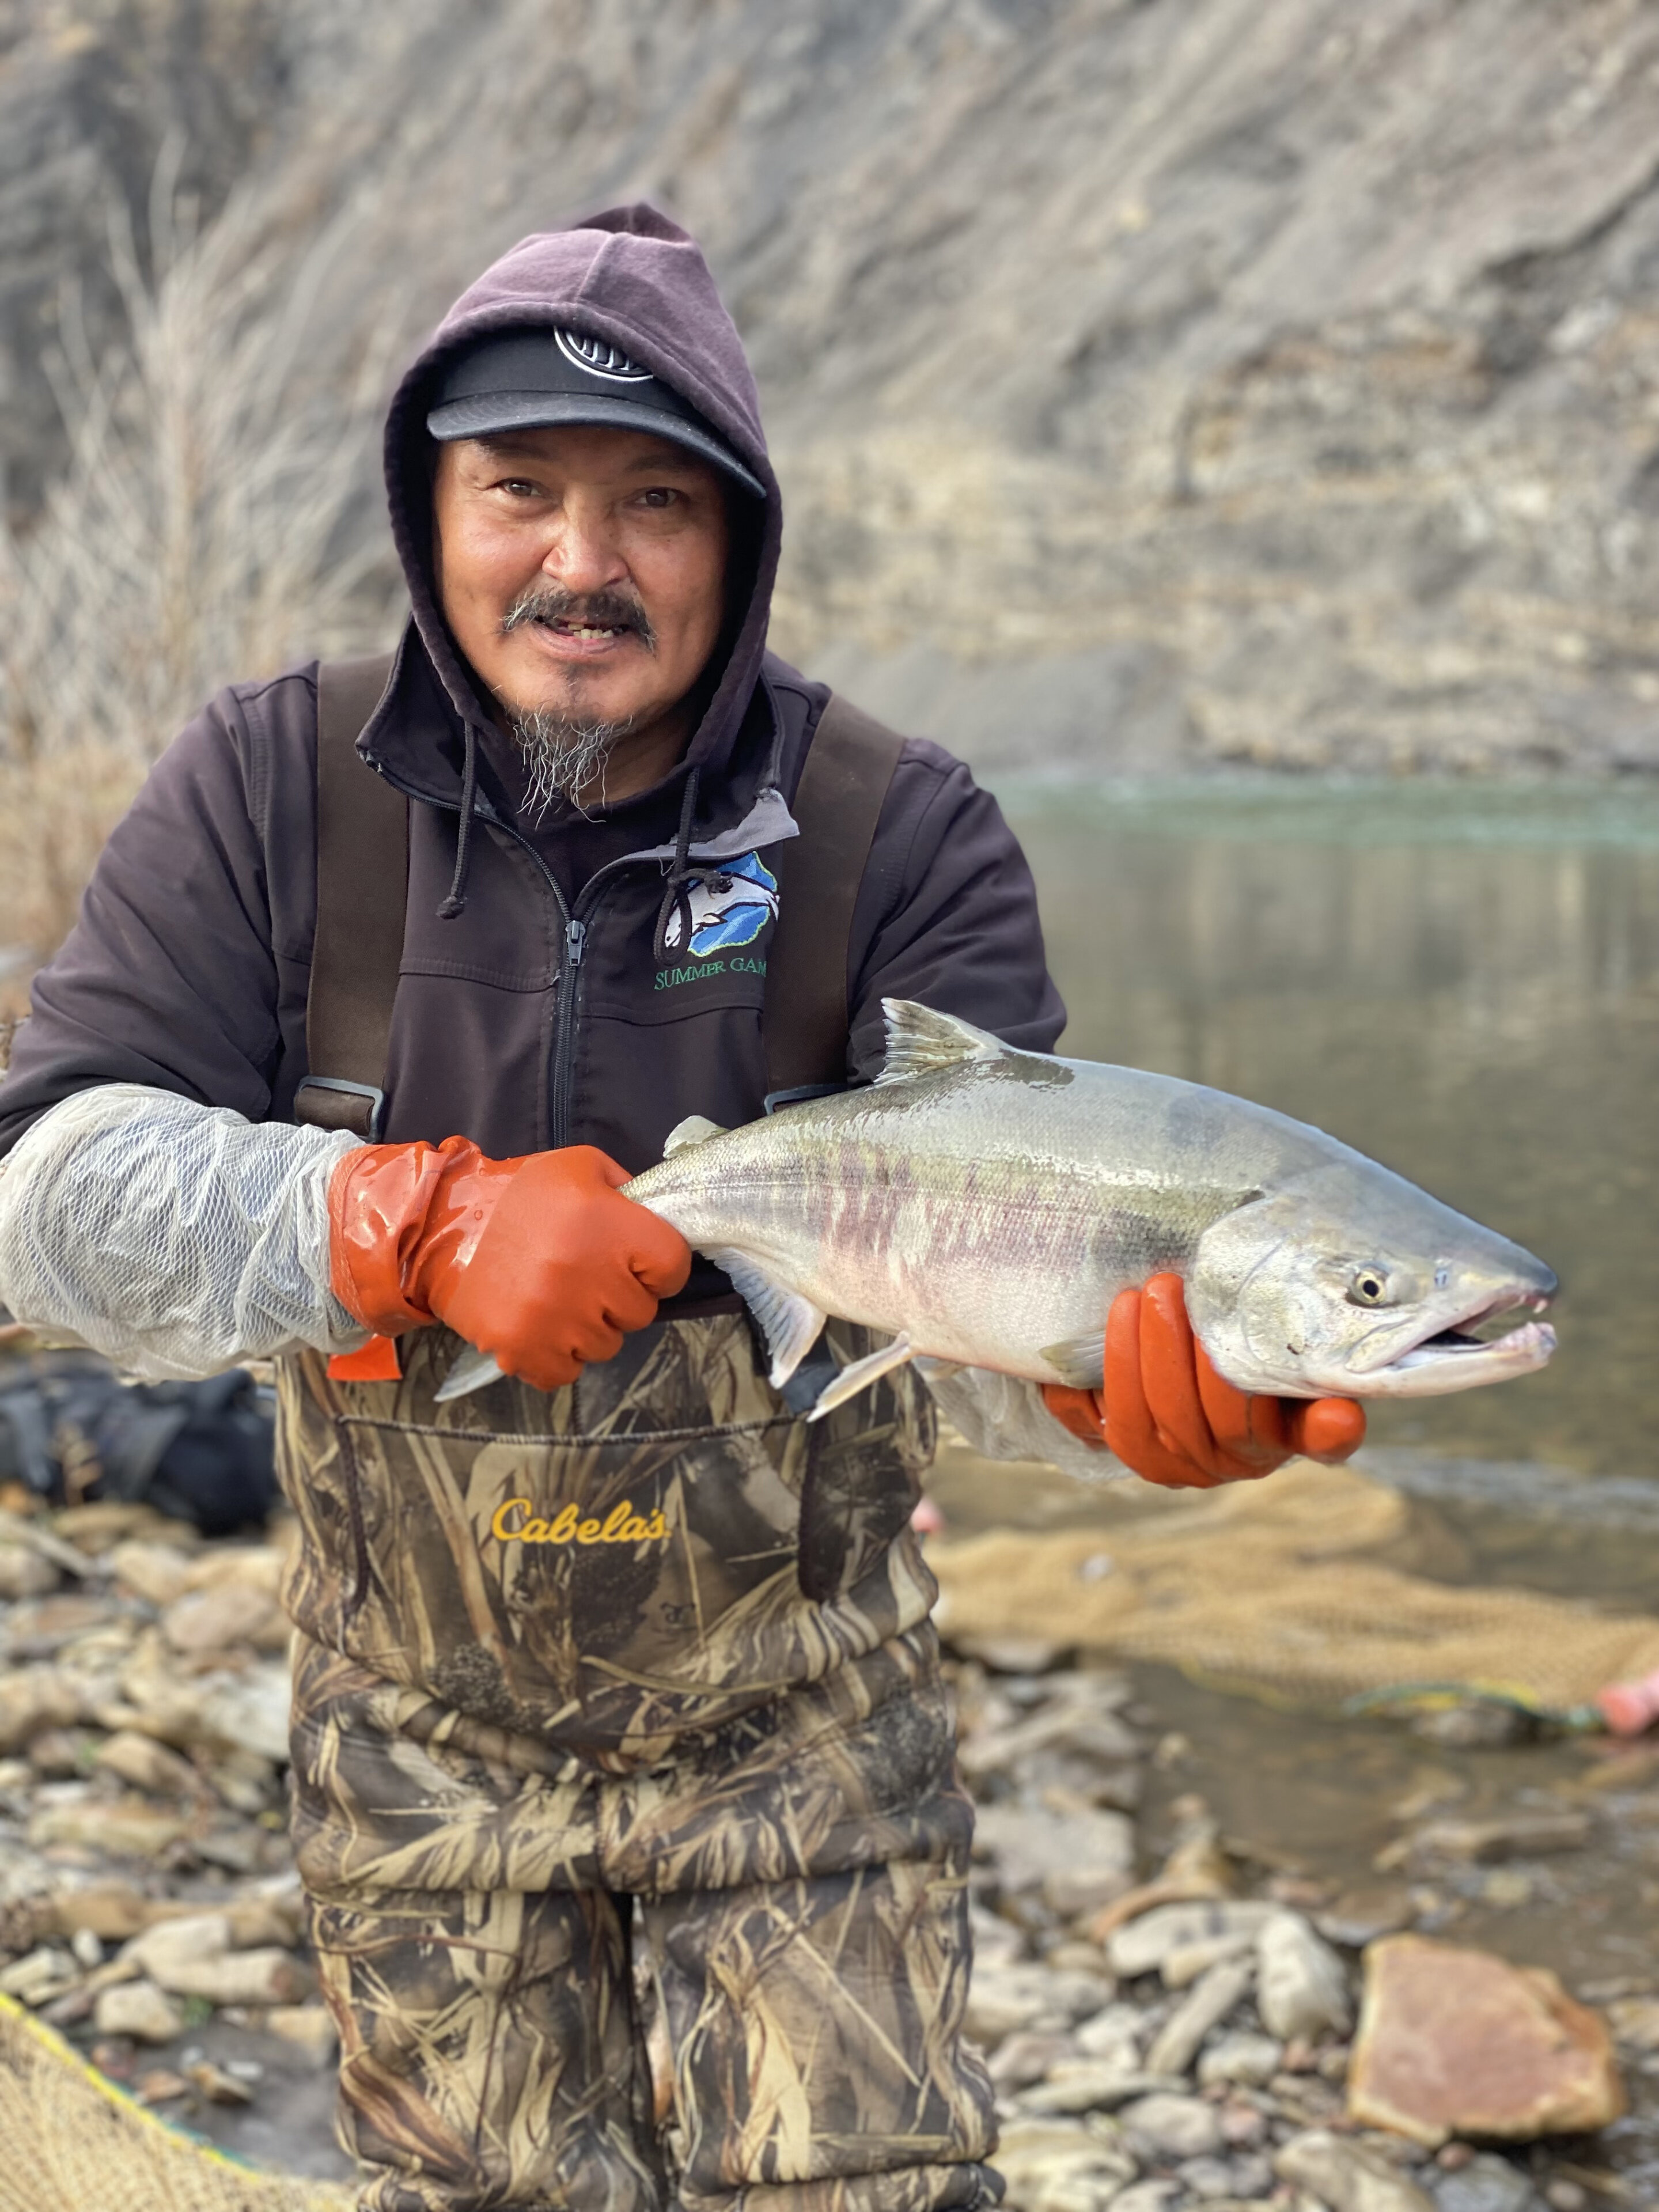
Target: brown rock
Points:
x,y
33,1698
216,2085
128,1828
24,1573
138,2009
112,1910
309,2029
158,1573
1456,2042
147,1766
1523,1836
228,1612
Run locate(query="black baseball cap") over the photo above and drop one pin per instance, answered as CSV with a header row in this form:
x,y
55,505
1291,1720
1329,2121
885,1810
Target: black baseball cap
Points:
x,y
530,379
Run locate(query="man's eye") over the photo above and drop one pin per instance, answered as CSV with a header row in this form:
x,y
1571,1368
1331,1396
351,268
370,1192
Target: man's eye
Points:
x,y
660,495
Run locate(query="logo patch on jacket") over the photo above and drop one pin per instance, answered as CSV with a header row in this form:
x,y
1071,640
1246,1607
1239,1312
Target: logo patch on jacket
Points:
x,y
730,910
517,1522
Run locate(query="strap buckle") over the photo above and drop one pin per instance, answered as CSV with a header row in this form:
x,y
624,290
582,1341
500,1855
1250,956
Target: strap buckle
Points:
x,y
801,1093
357,1108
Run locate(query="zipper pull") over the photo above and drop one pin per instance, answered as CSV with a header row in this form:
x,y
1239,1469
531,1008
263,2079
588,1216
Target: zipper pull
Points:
x,y
576,936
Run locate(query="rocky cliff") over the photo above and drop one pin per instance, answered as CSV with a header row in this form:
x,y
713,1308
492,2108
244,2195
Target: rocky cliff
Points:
x,y
1154,382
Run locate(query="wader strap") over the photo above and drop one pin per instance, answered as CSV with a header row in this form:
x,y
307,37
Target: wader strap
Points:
x,y
363,882
838,803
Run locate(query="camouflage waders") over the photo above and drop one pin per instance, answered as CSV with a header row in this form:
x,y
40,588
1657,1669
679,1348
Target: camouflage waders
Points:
x,y
624,1792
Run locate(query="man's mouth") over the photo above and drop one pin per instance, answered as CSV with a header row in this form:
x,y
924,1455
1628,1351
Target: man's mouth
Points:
x,y
604,619
597,632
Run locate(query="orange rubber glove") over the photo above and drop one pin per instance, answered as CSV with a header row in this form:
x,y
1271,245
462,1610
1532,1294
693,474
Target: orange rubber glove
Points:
x,y
538,1261
1165,1413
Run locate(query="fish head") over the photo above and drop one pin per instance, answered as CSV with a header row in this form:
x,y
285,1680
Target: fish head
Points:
x,y
1349,1281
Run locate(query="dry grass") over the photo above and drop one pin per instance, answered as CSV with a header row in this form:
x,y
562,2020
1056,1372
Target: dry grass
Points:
x,y
208,528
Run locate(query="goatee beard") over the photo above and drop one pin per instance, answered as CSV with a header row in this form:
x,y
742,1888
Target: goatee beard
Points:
x,y
565,754
562,758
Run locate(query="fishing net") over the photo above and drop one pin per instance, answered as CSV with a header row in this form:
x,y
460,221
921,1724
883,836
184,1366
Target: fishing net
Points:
x,y
73,2143
1277,1586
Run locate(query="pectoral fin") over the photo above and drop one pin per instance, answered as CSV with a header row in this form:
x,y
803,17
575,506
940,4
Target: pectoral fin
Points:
x,y
695,1129
860,1375
791,1323
1079,1361
472,1369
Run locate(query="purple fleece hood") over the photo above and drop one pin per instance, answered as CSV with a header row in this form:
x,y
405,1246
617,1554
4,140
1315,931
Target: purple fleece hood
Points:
x,y
631,275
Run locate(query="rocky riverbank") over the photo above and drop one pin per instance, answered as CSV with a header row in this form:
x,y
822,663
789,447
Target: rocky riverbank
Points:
x,y
1170,2019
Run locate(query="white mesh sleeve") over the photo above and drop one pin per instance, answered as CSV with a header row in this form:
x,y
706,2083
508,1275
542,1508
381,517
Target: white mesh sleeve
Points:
x,y
176,1239
1003,1417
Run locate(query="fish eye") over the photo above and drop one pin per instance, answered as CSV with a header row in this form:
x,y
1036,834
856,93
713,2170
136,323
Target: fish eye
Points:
x,y
1368,1286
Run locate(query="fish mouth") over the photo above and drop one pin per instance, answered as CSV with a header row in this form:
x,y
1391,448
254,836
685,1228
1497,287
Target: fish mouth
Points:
x,y
1453,1357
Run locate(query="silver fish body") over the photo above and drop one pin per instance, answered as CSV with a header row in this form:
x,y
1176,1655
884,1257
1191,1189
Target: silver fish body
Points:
x,y
986,1204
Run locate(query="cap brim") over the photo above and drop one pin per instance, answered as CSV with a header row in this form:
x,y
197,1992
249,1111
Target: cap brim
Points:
x,y
489,413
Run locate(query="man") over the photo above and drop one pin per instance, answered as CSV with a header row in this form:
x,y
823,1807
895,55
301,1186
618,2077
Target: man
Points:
x,y
624,1790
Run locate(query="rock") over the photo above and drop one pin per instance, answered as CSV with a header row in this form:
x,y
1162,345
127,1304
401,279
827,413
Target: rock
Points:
x,y
155,1572
228,1614
1174,2046
1078,1860
1056,2165
1304,1986
160,2085
1003,1999
111,1911
39,1976
1169,2126
1635,2023
1521,1836
59,1754
1211,2180
180,1942
1359,1916
1251,2061
86,1949
24,1573
1101,2085
1346,2178
147,1764
1486,2185
1149,2196
129,1827
266,1977
1142,1946
1456,2042
1025,2058
138,2009
1116,2033
33,1698
217,2084
1188,1960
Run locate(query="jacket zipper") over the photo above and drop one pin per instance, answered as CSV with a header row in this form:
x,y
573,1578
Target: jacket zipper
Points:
x,y
576,942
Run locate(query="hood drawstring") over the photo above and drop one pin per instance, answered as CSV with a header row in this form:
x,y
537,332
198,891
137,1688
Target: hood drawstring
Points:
x,y
683,874
455,903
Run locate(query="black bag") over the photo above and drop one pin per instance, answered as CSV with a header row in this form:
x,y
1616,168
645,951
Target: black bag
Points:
x,y
71,1431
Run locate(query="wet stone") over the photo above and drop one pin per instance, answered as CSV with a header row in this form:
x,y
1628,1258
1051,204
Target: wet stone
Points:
x,y
1168,2126
1303,1989
1250,2061
1487,2184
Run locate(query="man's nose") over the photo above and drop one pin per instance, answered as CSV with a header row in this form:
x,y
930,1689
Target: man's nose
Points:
x,y
583,553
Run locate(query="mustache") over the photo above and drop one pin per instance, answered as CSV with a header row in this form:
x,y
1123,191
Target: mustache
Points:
x,y
550,603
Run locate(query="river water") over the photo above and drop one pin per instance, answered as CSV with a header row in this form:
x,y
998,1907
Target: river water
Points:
x,y
1461,979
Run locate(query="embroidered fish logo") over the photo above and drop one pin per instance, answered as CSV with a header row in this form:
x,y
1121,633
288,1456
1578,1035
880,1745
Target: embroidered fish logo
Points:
x,y
729,910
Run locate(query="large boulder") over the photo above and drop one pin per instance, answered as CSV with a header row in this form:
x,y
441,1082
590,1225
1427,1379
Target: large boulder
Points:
x,y
1456,2042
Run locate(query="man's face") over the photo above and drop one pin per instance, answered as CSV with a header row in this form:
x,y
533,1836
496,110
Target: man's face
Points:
x,y
581,571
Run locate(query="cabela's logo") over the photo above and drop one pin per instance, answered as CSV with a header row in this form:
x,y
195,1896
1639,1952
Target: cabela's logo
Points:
x,y
518,1522
730,908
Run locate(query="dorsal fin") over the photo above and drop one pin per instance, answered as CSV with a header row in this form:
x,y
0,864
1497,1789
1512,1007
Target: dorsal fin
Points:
x,y
695,1129
921,1041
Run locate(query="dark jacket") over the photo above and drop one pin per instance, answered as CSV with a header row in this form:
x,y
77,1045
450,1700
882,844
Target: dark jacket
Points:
x,y
540,1015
